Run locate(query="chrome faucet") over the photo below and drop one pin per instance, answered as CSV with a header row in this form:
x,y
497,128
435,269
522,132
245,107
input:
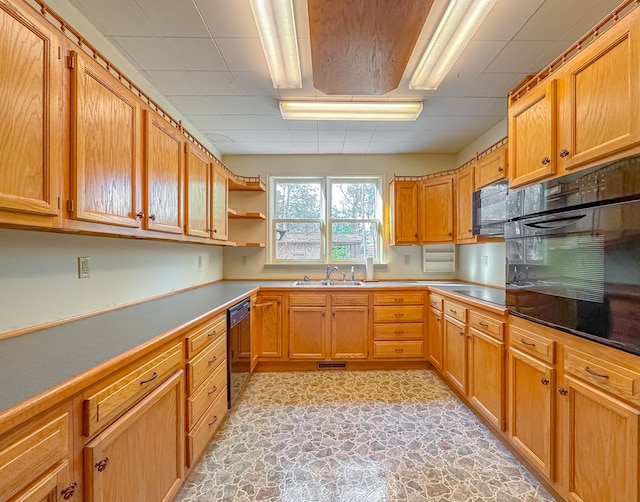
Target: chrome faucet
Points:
x,y
353,273
330,270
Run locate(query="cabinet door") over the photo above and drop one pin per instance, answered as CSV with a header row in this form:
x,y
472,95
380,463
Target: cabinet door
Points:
x,y
491,168
602,445
197,192
349,332
599,97
464,191
31,115
268,325
307,333
532,410
141,455
486,376
532,136
163,175
105,146
437,210
405,213
435,339
219,203
51,487
455,353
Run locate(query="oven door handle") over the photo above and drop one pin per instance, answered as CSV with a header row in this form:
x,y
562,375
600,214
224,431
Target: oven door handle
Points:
x,y
557,223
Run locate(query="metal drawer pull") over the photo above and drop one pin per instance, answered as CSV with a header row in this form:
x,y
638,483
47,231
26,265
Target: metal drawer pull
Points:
x,y
150,379
212,333
215,419
529,344
545,161
483,324
595,373
462,333
215,358
453,311
398,350
563,391
213,391
399,315
399,299
69,491
544,381
102,465
398,332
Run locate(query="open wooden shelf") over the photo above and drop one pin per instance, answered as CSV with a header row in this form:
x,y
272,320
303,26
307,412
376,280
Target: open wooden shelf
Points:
x,y
238,215
250,244
246,184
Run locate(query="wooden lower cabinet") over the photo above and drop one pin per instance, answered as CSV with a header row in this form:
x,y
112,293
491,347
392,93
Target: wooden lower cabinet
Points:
x,y
532,410
141,455
349,332
486,376
267,326
307,333
455,353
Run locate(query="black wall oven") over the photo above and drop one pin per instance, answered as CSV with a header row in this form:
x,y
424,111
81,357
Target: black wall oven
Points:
x,y
573,253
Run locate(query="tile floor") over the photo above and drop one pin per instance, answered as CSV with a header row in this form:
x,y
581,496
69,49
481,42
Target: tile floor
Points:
x,y
337,436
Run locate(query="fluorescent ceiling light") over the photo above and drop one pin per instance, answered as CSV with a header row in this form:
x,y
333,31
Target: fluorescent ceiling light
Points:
x,y
277,31
458,24
348,110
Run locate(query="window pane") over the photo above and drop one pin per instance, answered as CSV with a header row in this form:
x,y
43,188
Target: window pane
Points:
x,y
298,200
297,241
353,240
353,200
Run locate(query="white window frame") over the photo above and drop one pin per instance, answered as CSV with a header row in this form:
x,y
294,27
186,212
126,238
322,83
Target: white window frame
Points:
x,y
326,221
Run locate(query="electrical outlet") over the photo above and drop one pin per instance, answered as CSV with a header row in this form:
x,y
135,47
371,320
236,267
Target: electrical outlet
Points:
x,y
485,261
407,259
244,261
199,261
84,267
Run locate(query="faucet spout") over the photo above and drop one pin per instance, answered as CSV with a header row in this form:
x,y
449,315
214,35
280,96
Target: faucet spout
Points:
x,y
330,270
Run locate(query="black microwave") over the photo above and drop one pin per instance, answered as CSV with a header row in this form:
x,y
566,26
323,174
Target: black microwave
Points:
x,y
489,209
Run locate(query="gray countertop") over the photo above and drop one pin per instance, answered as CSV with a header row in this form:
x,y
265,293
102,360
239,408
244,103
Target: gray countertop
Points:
x,y
31,364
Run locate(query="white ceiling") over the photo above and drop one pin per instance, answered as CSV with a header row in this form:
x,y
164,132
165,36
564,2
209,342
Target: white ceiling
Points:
x,y
205,57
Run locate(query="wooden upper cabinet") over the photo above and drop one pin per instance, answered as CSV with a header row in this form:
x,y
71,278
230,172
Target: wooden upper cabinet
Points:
x,y
219,203
405,213
491,167
105,146
599,97
31,115
465,187
532,136
163,175
436,211
197,192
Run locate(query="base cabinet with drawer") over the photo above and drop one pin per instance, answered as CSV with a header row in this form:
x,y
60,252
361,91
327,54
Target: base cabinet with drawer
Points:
x,y
398,330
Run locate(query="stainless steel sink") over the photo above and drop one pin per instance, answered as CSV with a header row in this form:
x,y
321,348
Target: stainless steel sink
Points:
x,y
317,284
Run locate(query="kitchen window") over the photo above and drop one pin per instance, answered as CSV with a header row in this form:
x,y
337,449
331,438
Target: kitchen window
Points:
x,y
325,219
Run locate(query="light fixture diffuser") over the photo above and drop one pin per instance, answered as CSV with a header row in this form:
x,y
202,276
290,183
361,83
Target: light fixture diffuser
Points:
x,y
277,31
458,24
348,110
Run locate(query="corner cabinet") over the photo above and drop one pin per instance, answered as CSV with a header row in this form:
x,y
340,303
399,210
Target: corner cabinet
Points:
x,y
31,114
247,201
219,203
404,220
465,183
105,146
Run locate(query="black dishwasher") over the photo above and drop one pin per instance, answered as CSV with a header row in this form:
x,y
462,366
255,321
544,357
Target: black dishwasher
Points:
x,y
238,349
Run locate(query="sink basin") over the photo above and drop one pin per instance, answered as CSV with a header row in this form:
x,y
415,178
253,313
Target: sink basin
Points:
x,y
316,284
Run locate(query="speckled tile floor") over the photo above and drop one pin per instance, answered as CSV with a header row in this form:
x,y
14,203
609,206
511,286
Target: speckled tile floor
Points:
x,y
337,436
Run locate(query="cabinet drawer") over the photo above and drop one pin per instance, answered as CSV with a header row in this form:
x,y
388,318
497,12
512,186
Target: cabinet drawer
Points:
x,y
318,300
350,300
456,311
400,297
435,301
401,313
607,375
533,343
487,325
397,350
406,331
106,402
38,448
206,334
200,400
205,363
198,439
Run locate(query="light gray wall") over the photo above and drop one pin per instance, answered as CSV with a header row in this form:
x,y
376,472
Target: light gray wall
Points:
x,y
39,273
493,135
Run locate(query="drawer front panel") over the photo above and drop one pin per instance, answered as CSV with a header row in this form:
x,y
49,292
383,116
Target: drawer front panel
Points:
x,y
487,325
398,298
533,343
350,300
398,350
317,300
404,331
456,311
206,334
203,365
607,375
435,301
24,460
199,438
401,313
208,392
104,405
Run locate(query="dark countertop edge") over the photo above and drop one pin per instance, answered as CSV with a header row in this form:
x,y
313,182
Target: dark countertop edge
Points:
x,y
59,392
